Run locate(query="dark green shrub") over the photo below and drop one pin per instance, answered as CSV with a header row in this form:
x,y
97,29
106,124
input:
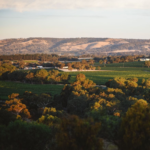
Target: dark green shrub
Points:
x,y
24,136
6,117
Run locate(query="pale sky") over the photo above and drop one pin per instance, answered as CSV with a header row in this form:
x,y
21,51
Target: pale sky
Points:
x,y
75,18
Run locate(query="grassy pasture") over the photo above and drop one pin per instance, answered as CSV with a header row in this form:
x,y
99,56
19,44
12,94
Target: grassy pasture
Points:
x,y
101,77
126,64
8,87
31,61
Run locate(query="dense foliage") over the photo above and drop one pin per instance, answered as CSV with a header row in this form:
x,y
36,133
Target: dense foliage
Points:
x,y
38,76
83,116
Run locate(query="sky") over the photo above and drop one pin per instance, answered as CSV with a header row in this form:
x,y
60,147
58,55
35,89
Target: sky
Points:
x,y
75,18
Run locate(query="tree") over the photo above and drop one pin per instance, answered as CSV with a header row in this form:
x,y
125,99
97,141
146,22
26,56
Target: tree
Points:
x,y
13,95
6,117
91,61
147,63
21,135
15,106
77,105
101,62
21,64
143,82
62,65
84,61
41,74
69,65
80,77
77,134
147,83
30,76
64,77
41,101
98,68
105,61
51,116
135,129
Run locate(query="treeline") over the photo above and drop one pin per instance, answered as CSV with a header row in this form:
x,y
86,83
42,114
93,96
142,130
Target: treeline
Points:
x,y
119,59
10,72
35,76
55,58
83,65
40,57
83,116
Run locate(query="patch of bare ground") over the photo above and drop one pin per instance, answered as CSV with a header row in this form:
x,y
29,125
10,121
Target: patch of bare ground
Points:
x,y
146,46
34,41
100,44
83,46
109,146
73,47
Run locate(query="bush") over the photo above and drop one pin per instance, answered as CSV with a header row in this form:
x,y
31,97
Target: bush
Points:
x,y
24,136
6,117
109,126
77,134
41,74
135,128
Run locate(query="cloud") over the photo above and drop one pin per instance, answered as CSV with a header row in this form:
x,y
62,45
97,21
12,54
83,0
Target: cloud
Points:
x,y
28,5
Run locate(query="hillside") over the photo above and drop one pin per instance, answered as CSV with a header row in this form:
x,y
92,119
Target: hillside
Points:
x,y
75,46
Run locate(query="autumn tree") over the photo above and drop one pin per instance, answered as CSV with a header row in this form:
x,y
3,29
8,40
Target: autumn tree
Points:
x,y
147,83
15,106
98,68
84,61
135,133
51,116
13,95
69,65
147,63
41,74
30,76
101,62
21,64
91,61
80,77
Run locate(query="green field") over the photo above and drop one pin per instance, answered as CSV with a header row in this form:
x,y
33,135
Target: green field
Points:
x,y
126,64
101,77
31,61
132,69
7,87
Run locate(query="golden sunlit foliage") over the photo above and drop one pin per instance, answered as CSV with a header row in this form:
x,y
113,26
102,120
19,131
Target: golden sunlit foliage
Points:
x,y
15,106
136,127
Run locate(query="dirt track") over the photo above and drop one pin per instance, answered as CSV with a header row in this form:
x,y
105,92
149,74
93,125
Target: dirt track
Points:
x,y
75,70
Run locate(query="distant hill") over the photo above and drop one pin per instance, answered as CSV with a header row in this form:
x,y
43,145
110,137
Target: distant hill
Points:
x,y
75,46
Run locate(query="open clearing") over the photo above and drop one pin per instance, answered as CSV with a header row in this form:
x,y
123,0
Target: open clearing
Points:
x,y
8,87
99,77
